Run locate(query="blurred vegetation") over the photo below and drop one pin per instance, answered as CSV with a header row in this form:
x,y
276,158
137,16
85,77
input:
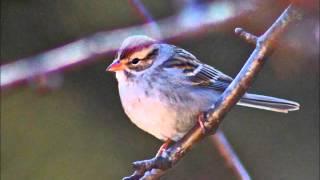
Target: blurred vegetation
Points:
x,y
80,131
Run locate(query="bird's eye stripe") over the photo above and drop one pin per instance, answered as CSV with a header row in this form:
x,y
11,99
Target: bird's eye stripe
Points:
x,y
152,54
148,57
137,64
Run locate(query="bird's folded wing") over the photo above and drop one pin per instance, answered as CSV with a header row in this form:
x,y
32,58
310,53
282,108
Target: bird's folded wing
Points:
x,y
207,76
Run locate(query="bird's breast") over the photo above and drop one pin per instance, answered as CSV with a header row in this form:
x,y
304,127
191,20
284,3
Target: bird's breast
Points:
x,y
153,112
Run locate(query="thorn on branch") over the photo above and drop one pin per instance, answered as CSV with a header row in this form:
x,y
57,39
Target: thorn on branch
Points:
x,y
250,38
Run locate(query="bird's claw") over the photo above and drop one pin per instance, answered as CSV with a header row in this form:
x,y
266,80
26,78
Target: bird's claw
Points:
x,y
201,120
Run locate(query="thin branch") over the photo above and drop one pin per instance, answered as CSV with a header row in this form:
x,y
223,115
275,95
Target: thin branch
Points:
x,y
141,10
230,157
250,38
88,49
214,116
147,17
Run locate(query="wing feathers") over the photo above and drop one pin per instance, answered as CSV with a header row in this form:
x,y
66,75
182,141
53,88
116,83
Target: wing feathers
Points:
x,y
197,73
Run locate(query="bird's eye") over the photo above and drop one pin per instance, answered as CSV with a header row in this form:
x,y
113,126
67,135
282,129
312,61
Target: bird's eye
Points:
x,y
135,61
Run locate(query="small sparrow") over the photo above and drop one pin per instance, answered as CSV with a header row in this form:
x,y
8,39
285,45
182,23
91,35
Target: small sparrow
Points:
x,y
164,88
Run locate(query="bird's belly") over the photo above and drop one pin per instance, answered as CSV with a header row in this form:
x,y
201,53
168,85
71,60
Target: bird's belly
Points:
x,y
154,115
154,118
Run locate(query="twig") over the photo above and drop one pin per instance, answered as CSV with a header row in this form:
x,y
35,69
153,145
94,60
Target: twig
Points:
x,y
141,10
214,116
250,38
230,157
147,17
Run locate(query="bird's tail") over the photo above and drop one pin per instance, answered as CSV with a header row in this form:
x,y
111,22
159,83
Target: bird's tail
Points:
x,y
268,103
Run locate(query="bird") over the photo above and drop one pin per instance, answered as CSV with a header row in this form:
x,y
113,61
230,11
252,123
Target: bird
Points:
x,y
164,89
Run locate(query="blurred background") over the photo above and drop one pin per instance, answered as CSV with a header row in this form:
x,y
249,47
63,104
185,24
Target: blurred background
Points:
x,y
70,124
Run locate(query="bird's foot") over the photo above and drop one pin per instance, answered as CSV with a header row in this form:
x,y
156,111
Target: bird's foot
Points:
x,y
201,120
150,169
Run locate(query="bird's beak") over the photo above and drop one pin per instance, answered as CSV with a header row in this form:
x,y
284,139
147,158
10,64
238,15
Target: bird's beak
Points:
x,y
116,65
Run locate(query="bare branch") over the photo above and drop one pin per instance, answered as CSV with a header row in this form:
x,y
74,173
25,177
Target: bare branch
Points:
x,y
231,159
88,49
214,116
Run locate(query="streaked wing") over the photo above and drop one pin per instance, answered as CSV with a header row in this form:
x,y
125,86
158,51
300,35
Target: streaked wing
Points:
x,y
207,76
197,73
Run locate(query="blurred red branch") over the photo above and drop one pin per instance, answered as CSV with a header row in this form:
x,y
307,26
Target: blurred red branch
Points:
x,y
156,167
87,49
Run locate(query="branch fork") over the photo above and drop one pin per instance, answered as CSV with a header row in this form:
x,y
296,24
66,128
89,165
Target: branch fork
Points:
x,y
250,38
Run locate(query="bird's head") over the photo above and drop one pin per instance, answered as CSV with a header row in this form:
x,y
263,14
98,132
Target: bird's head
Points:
x,y
136,54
